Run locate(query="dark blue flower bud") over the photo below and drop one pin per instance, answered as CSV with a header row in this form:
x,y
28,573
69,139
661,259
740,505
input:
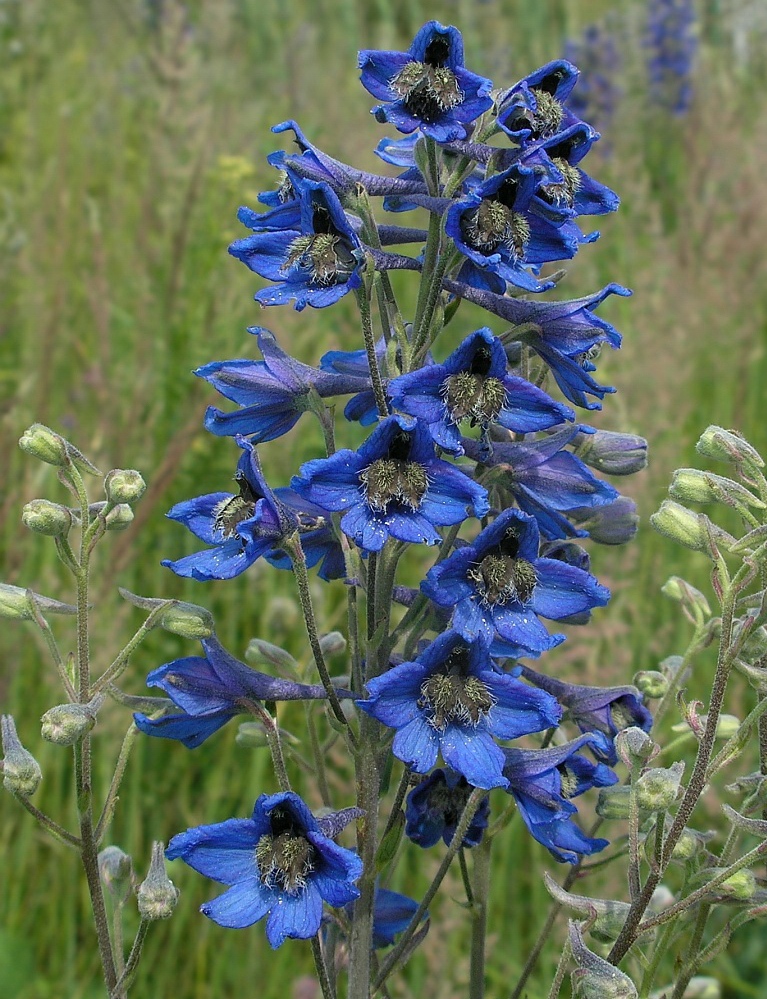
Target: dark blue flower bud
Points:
x,y
612,453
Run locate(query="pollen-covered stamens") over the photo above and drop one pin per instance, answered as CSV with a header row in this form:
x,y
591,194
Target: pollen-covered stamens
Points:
x,y
427,90
493,224
284,857
549,113
395,477
568,781
621,714
324,255
230,513
455,695
449,801
285,192
563,193
472,394
501,576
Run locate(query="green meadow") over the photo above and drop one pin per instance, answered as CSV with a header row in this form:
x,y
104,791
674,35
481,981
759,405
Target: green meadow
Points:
x,y
130,132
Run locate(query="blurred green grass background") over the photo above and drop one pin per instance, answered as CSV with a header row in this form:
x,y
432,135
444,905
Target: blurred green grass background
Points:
x,y
129,134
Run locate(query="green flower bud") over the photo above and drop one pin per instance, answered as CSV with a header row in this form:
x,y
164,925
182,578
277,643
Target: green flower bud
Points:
x,y
651,683
261,653
187,620
595,978
14,603
124,485
729,446
680,590
332,643
755,646
740,886
613,803
691,485
689,845
44,517
119,517
610,916
657,789
66,724
157,895
21,771
681,525
43,443
116,871
634,746
283,614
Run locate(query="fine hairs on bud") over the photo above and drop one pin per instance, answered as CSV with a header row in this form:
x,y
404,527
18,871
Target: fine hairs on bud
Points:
x,y
157,895
21,771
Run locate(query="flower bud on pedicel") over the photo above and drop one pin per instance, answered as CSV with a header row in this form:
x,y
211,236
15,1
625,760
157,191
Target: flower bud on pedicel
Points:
x,y
613,803
333,643
120,517
740,886
595,978
691,485
729,446
612,453
21,771
18,603
657,789
116,872
650,683
680,590
124,485
634,746
44,517
251,735
66,724
187,620
689,845
43,443
157,895
681,525
262,653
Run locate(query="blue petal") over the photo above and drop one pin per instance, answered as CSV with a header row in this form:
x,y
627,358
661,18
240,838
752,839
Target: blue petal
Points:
x,y
242,905
297,916
473,753
417,744
224,852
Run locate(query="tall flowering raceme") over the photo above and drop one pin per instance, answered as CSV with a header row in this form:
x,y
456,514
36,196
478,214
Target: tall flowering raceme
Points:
x,y
671,44
461,451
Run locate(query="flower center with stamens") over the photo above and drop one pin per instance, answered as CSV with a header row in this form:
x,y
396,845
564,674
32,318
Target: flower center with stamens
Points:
x,y
284,857
548,115
427,91
568,781
621,715
325,256
230,513
472,394
455,695
501,576
395,477
494,224
564,193
449,801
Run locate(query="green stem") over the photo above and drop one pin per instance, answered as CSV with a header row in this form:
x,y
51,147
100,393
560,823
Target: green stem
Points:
x,y
363,301
115,668
402,788
559,977
272,732
322,971
481,855
133,959
114,787
49,824
297,557
461,829
319,756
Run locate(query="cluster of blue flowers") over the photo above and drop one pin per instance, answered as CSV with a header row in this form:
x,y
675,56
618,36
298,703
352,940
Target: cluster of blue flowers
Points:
x,y
472,443
671,43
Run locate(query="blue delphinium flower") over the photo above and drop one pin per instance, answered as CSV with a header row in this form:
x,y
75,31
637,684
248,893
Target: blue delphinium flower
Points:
x,y
315,259
426,87
671,46
392,913
545,480
604,710
318,539
497,229
240,528
281,863
393,486
542,782
534,107
474,384
273,392
435,805
451,700
362,407
209,690
566,184
568,335
500,587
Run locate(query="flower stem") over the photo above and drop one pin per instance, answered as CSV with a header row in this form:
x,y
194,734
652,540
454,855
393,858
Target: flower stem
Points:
x,y
363,301
479,906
